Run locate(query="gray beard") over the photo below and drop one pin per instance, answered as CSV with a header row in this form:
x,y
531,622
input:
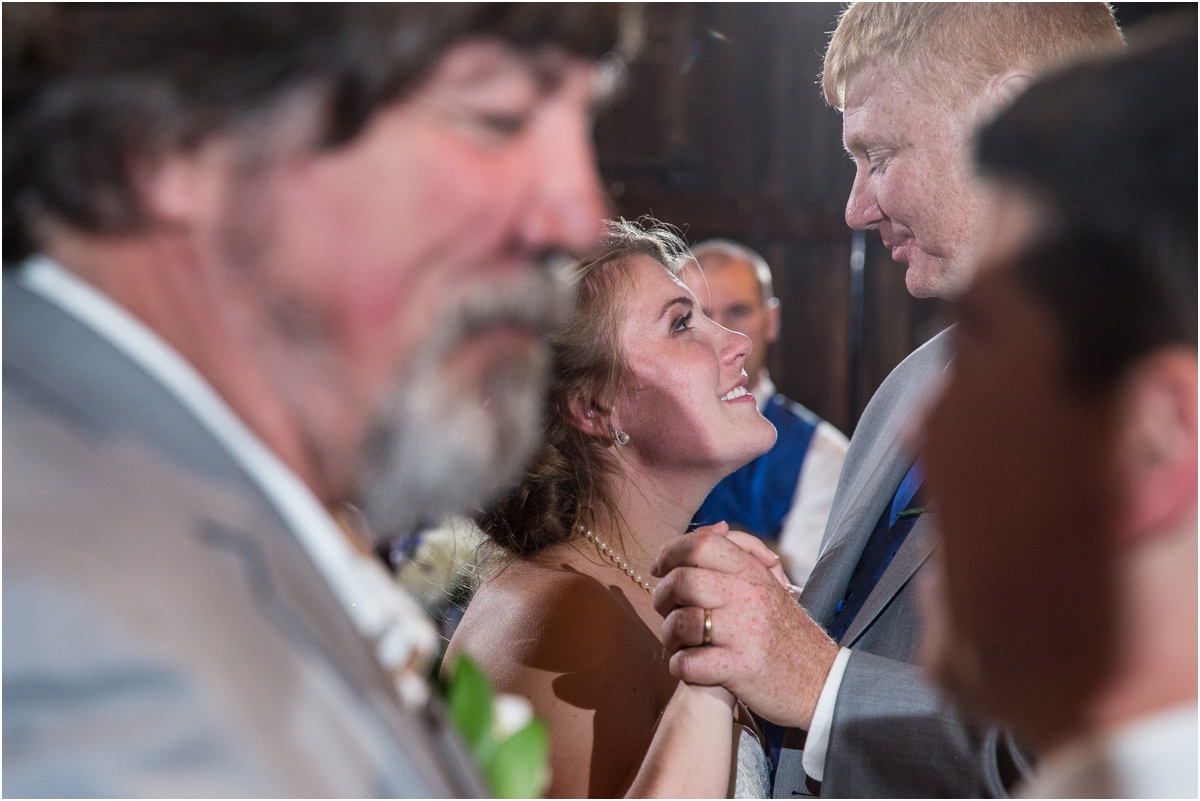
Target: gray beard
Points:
x,y
436,449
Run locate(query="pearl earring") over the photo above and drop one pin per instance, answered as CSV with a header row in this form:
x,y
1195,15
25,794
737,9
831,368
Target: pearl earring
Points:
x,y
620,436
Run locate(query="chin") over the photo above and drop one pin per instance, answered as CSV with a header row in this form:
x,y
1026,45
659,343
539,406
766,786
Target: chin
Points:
x,y
762,441
920,281
768,437
466,419
437,450
930,277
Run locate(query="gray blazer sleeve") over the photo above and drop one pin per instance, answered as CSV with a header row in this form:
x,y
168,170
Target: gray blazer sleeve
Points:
x,y
892,730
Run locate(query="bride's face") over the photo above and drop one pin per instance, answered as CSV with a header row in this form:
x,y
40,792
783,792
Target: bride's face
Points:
x,y
687,406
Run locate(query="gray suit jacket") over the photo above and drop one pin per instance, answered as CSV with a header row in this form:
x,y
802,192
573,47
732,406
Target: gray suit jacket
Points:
x,y
164,632
892,733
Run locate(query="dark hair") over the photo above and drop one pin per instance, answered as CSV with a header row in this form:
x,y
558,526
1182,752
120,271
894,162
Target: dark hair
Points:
x,y
1112,146
565,487
93,91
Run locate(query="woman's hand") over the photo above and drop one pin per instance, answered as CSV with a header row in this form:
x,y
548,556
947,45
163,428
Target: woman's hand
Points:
x,y
756,547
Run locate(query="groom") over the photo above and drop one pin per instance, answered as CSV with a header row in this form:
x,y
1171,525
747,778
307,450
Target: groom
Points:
x,y
913,81
265,266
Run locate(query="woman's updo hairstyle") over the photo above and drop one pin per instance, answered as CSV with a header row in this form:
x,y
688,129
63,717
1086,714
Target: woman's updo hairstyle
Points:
x,y
564,485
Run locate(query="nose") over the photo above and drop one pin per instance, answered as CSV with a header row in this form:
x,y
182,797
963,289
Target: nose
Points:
x,y
569,207
735,348
862,208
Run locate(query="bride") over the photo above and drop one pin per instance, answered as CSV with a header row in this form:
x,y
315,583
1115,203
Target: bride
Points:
x,y
648,410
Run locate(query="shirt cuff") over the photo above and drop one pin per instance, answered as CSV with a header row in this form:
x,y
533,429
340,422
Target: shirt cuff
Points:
x,y
817,741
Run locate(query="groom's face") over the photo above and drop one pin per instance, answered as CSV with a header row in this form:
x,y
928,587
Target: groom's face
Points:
x,y
914,179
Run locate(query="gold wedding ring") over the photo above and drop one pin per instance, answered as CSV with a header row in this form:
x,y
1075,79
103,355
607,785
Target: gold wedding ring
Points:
x,y
707,627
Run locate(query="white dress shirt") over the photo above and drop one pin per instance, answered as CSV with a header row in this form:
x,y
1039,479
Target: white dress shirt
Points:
x,y
404,639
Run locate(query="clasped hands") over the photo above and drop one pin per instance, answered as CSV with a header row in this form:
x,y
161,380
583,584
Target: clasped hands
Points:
x,y
764,648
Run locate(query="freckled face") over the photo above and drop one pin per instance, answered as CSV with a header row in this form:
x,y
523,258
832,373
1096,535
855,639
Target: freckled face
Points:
x,y
914,181
687,408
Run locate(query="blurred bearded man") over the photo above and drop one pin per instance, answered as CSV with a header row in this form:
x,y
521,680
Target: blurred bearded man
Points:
x,y
913,81
1071,405
266,265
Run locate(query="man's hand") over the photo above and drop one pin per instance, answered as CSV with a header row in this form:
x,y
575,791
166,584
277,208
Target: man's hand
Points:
x,y
765,648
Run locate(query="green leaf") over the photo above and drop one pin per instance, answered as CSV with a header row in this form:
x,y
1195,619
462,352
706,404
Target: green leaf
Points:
x,y
519,766
470,703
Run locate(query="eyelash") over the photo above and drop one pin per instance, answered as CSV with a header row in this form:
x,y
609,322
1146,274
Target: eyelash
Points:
x,y
681,323
875,165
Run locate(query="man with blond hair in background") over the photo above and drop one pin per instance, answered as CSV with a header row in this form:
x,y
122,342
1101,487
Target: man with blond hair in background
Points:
x,y
914,82
783,496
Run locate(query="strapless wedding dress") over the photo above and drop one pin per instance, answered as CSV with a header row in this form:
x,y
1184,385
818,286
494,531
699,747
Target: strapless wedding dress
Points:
x,y
752,773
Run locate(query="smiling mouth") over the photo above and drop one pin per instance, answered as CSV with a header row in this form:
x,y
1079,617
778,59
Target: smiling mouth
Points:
x,y
734,394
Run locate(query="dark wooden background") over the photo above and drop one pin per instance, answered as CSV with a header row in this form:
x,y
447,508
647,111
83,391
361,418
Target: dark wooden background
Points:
x,y
722,131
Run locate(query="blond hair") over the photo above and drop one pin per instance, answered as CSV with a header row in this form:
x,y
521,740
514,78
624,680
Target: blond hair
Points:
x,y
949,51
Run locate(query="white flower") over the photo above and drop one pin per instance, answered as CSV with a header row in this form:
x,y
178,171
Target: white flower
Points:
x,y
510,714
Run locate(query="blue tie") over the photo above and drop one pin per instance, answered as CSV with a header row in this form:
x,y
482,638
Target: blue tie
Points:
x,y
889,534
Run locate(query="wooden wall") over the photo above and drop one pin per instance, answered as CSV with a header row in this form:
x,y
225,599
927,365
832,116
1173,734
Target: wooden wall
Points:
x,y
722,131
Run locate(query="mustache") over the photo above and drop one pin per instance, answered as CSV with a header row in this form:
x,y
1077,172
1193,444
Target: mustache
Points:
x,y
431,452
540,300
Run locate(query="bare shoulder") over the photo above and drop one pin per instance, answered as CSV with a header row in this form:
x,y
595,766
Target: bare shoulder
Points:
x,y
584,658
534,617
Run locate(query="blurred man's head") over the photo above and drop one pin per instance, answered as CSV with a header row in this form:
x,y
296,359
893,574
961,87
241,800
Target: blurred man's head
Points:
x,y
914,80
340,214
1062,456
735,289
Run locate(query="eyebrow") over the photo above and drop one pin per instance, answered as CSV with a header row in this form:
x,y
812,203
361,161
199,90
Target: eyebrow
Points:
x,y
682,300
866,142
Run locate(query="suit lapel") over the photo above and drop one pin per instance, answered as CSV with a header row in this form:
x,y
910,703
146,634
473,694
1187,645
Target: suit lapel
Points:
x,y
917,547
873,489
869,485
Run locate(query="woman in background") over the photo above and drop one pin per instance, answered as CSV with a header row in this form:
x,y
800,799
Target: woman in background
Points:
x,y
648,410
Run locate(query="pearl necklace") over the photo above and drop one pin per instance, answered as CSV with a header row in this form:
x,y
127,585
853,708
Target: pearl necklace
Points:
x,y
617,560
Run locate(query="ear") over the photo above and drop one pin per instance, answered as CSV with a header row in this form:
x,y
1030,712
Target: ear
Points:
x,y
1004,89
1157,456
181,188
169,189
772,311
588,417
